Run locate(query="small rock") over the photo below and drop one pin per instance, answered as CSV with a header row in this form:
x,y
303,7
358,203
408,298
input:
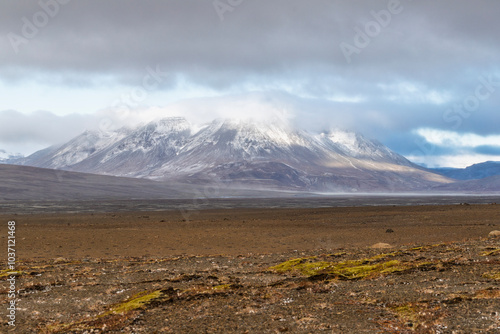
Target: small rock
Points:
x,y
494,233
389,230
60,260
381,245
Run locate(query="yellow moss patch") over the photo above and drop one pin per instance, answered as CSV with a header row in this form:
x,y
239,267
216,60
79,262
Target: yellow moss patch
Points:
x,y
407,312
8,272
384,255
426,247
137,301
112,318
60,327
222,287
492,275
492,252
349,270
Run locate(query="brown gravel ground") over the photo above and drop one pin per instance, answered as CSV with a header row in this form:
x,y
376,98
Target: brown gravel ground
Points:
x,y
220,272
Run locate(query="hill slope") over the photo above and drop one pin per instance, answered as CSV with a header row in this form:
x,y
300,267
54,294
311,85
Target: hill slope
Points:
x,y
31,183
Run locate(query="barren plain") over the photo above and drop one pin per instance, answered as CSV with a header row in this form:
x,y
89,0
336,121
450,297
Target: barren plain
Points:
x,y
256,270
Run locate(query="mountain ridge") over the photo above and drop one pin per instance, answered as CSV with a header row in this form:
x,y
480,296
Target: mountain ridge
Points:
x,y
240,153
474,172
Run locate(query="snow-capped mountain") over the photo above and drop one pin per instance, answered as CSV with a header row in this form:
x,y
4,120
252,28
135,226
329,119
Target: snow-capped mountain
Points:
x,y
240,153
138,153
6,157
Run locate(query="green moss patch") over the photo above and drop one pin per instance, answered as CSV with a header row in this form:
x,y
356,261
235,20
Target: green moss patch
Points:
x,y
347,270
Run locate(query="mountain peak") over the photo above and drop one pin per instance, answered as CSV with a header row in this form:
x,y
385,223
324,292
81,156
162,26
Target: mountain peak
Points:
x,y
168,125
240,151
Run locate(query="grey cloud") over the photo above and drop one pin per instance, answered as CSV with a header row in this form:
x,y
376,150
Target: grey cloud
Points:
x,y
292,46
410,144
41,127
488,150
273,39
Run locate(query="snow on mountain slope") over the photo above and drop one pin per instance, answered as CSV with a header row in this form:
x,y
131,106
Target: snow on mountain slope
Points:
x,y
80,148
355,145
241,153
141,151
228,140
5,156
226,148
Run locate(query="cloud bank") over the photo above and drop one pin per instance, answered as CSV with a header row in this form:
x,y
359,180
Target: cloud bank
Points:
x,y
385,68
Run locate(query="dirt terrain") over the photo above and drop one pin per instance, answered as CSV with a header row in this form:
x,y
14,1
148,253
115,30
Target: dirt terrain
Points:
x,y
258,271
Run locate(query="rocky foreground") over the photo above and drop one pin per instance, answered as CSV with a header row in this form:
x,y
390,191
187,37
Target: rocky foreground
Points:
x,y
451,287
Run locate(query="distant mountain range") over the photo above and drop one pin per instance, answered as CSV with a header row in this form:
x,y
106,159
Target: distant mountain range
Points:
x,y
227,158
240,154
489,184
474,172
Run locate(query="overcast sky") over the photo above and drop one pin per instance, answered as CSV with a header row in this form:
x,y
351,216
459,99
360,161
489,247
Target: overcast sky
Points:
x,y
422,77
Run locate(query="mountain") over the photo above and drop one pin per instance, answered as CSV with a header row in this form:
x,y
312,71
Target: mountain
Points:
x,y
489,184
474,172
120,153
237,153
270,155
